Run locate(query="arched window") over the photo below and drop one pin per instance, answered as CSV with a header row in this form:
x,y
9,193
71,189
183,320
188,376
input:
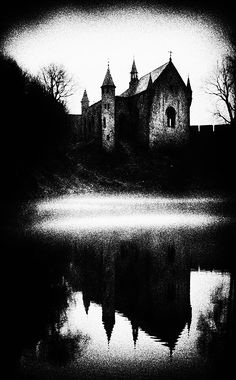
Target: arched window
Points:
x,y
170,114
104,122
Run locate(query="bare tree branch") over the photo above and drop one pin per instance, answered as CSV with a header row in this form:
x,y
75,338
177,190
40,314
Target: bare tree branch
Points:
x,y
57,82
222,86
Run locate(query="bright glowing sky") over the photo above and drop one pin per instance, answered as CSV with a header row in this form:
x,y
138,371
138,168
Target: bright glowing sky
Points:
x,y
83,42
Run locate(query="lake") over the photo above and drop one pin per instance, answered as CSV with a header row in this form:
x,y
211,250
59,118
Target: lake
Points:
x,y
123,287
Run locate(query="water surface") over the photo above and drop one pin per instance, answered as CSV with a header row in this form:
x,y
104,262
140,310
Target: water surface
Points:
x,y
126,287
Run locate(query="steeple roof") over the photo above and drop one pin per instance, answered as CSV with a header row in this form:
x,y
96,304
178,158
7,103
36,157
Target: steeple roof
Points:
x,y
85,96
134,68
108,81
188,84
150,81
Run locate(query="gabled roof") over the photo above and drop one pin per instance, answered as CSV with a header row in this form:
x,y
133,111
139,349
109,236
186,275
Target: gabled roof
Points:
x,y
142,84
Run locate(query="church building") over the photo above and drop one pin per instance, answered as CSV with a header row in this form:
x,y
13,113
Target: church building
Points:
x,y
154,112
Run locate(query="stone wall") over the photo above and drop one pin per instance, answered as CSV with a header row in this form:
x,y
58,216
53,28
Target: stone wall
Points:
x,y
91,123
170,91
108,118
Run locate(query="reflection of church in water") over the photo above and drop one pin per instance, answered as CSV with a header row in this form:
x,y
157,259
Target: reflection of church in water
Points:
x,y
150,285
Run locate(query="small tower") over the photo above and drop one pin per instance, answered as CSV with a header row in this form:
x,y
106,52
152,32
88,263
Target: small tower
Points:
x,y
108,112
189,99
149,82
84,102
133,76
189,92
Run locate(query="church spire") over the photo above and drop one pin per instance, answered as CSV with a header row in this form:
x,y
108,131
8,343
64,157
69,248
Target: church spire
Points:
x,y
134,68
189,91
188,84
149,81
108,81
133,75
85,102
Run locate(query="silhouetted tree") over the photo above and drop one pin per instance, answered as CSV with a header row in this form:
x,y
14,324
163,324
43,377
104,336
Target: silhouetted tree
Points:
x,y
222,86
34,129
57,82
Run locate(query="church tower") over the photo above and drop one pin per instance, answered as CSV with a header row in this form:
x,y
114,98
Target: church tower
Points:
x,y
108,112
84,102
133,76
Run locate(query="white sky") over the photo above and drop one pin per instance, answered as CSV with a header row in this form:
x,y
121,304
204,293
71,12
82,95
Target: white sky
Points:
x,y
83,42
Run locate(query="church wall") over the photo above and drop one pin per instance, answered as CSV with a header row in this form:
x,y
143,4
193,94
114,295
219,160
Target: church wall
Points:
x,y
76,127
91,123
141,106
123,119
170,91
132,115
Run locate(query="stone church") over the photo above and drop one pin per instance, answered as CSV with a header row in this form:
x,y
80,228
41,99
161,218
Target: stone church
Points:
x,y
154,112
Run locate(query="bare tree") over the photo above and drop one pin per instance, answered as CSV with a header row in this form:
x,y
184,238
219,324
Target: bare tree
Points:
x,y
57,82
222,86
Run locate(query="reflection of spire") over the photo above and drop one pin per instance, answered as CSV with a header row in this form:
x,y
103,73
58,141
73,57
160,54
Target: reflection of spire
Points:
x,y
86,302
108,302
108,323
171,348
189,320
134,332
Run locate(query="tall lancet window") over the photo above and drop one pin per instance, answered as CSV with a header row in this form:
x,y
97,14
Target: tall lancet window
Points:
x,y
171,115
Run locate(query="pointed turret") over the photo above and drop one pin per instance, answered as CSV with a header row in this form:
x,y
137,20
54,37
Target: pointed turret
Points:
x,y
108,81
189,91
134,70
85,102
149,81
133,75
188,84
